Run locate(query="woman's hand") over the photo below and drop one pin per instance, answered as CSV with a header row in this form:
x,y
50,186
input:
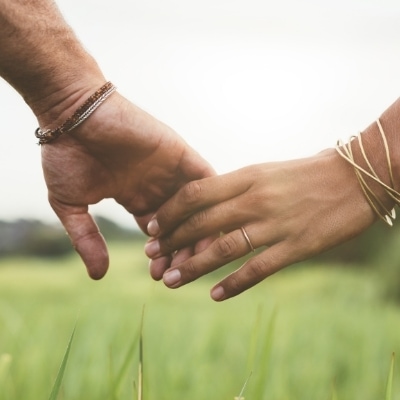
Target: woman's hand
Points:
x,y
291,210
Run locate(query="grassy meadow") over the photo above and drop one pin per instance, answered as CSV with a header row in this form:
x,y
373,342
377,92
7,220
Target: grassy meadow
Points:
x,y
309,332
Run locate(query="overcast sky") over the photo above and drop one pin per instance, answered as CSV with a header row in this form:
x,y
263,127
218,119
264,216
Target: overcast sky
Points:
x,y
242,81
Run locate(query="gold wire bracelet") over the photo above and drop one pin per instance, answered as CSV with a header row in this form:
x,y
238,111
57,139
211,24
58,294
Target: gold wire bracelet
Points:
x,y
396,199
368,192
80,115
388,189
376,204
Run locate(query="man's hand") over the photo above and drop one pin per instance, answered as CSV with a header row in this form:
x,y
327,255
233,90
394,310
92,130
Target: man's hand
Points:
x,y
120,152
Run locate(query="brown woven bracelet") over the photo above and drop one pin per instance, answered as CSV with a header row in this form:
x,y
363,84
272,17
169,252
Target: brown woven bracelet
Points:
x,y
82,113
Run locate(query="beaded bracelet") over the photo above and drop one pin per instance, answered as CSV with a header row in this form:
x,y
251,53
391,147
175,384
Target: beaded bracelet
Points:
x,y
80,115
345,151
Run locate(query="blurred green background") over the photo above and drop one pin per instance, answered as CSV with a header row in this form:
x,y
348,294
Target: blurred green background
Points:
x,y
324,329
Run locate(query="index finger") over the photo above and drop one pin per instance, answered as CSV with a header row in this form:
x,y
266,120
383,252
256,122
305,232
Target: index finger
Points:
x,y
191,198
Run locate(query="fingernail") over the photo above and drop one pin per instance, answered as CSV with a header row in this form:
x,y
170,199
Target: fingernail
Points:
x,y
152,228
172,277
152,248
218,293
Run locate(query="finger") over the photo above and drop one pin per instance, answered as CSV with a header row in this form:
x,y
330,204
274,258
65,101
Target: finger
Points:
x,y
85,237
203,244
182,255
192,197
224,217
223,250
158,266
143,221
199,238
253,271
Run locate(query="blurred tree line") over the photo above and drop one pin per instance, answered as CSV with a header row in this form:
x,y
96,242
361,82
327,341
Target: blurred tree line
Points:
x,y
33,237
377,249
36,238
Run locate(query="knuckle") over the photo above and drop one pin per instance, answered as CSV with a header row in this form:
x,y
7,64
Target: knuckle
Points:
x,y
167,245
247,276
165,216
235,284
257,269
226,247
197,220
189,271
192,192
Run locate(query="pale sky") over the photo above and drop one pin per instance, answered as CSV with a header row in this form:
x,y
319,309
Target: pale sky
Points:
x,y
243,82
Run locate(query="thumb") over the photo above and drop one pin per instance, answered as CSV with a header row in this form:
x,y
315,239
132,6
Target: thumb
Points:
x,y
85,237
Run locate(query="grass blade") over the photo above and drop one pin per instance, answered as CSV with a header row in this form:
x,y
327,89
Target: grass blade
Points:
x,y
124,367
140,372
334,393
60,375
255,334
389,383
240,397
264,358
129,355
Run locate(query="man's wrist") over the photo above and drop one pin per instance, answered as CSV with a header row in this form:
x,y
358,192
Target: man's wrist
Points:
x,y
58,105
83,112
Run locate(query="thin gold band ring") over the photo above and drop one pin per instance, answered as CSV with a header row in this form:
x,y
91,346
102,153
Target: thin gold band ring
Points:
x,y
246,236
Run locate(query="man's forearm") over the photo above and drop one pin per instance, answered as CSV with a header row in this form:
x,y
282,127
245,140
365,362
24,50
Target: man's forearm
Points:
x,y
41,57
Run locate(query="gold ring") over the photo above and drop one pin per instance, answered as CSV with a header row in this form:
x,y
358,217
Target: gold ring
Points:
x,y
246,236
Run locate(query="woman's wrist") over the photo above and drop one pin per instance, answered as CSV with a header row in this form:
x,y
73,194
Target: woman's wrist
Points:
x,y
390,121
374,157
384,157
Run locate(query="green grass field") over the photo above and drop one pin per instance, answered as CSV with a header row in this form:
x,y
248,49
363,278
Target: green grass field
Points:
x,y
306,333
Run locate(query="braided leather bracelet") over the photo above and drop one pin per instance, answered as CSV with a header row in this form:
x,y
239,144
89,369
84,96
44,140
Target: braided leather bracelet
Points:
x,y
82,113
